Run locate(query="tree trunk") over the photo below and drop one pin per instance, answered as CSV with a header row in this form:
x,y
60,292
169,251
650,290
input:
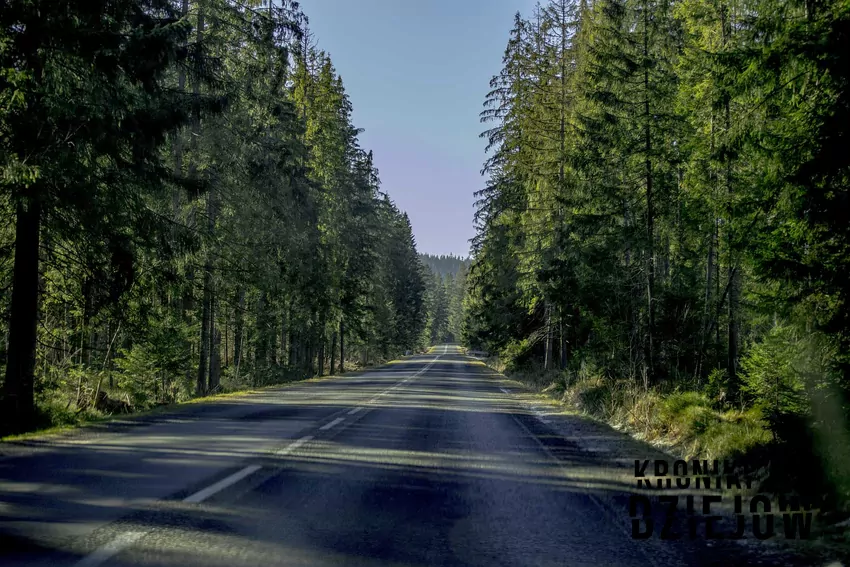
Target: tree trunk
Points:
x,y
261,352
734,274
284,332
85,332
321,358
215,362
563,341
293,350
207,324
18,395
333,353
707,323
213,345
341,347
239,324
650,212
273,340
201,387
547,355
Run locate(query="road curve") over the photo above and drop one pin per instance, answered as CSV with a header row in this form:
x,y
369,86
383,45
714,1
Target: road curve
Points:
x,y
425,461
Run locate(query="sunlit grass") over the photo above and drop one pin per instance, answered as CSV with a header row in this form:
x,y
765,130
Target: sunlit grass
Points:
x,y
165,409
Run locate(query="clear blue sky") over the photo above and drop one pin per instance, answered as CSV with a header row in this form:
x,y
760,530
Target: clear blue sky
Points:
x,y
416,72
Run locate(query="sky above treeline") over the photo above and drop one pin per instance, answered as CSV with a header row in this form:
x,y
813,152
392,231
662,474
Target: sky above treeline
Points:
x,y
417,72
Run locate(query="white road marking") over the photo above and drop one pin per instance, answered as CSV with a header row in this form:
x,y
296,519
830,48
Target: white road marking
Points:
x,y
505,391
110,549
205,493
293,446
124,540
327,426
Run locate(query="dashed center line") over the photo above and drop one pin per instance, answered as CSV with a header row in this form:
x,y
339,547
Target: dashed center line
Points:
x,y
111,549
327,426
202,495
295,445
124,540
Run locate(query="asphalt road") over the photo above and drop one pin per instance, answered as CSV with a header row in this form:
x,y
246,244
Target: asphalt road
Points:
x,y
426,461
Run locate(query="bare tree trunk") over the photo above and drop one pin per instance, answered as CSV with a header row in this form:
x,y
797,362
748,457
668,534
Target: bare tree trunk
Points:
x,y
215,362
239,324
333,353
206,321
547,356
273,340
261,352
734,273
563,340
322,357
341,347
709,275
650,212
18,393
213,346
284,332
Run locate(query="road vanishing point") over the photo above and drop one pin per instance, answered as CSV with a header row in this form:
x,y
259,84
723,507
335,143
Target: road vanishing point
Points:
x,y
428,460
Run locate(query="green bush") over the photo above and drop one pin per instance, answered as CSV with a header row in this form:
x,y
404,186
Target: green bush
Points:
x,y
771,382
717,386
514,353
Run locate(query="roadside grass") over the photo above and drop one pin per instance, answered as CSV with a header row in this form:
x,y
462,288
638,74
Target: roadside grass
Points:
x,y
58,418
684,424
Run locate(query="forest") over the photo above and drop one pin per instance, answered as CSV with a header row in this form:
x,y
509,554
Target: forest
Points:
x,y
663,238
187,210
445,286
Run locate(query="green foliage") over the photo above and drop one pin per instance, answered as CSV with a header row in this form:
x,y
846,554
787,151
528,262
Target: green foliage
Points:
x,y
664,181
206,215
445,286
717,384
771,380
444,265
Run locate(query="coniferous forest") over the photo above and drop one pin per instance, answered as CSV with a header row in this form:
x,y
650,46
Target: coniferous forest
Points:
x,y
663,239
186,209
445,285
664,236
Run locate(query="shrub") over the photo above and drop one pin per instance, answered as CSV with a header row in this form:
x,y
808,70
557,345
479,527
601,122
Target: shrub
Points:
x,y
770,381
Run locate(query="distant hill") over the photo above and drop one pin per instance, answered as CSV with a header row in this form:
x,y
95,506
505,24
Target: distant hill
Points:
x,y
444,265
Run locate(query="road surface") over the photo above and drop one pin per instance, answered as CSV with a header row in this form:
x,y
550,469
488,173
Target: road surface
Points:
x,y
425,461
